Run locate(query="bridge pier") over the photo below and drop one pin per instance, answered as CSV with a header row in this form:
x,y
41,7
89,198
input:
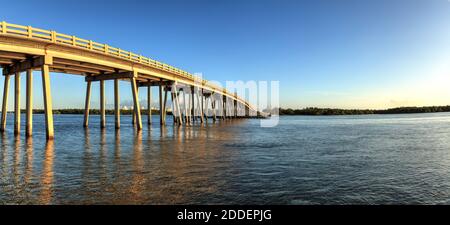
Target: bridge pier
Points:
x,y
187,104
179,112
113,76
207,97
236,110
220,107
116,104
213,106
29,104
133,119
175,106
206,109
5,103
27,65
47,101
137,110
200,103
227,110
17,103
165,105
192,104
231,109
246,112
185,107
161,106
102,105
182,105
224,102
149,104
87,104
176,109
189,108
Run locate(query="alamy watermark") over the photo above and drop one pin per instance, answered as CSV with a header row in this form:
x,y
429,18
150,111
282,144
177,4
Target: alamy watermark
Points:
x,y
244,98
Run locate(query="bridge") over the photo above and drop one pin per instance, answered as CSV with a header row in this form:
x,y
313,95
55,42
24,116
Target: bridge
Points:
x,y
26,48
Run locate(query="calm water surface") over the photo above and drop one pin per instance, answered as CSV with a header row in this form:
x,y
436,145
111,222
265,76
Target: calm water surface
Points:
x,y
370,159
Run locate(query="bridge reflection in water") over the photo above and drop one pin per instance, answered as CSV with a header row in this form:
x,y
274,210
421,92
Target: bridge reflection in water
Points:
x,y
169,165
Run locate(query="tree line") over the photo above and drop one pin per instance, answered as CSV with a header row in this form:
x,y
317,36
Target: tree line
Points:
x,y
331,111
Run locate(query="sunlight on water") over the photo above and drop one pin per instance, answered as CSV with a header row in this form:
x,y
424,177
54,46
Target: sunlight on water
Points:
x,y
367,159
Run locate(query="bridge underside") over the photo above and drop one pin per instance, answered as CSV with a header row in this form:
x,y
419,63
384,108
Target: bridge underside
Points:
x,y
192,100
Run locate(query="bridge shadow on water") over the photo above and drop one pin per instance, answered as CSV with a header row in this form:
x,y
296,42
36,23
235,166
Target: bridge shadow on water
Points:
x,y
157,165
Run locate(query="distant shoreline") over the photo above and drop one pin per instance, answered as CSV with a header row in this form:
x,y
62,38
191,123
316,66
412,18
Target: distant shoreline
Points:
x,y
312,111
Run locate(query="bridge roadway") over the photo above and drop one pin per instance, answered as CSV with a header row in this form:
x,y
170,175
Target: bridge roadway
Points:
x,y
25,49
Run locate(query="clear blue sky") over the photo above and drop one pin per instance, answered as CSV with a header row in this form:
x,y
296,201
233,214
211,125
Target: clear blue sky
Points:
x,y
348,53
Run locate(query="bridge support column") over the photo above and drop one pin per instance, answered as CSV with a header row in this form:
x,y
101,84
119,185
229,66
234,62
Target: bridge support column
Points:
x,y
137,110
224,107
47,102
133,120
87,104
165,106
5,103
176,111
200,104
173,95
235,105
185,107
190,108
149,104
230,109
227,110
17,104
192,104
213,106
116,104
220,106
177,100
238,108
161,105
29,104
175,119
205,110
102,105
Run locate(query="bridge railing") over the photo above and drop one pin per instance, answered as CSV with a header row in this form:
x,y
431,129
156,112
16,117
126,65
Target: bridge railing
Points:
x,y
53,36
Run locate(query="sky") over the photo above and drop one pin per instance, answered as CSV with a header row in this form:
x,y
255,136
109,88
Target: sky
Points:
x,y
325,53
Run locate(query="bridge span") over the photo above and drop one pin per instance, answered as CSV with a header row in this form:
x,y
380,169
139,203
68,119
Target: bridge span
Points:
x,y
25,49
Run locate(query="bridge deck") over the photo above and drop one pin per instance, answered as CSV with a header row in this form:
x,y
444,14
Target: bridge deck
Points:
x,y
75,55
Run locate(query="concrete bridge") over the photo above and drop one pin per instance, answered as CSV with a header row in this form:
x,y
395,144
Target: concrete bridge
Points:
x,y
25,48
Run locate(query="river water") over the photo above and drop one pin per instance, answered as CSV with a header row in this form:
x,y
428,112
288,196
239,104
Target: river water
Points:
x,y
365,159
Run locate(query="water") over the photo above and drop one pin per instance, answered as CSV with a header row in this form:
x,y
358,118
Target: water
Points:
x,y
369,159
